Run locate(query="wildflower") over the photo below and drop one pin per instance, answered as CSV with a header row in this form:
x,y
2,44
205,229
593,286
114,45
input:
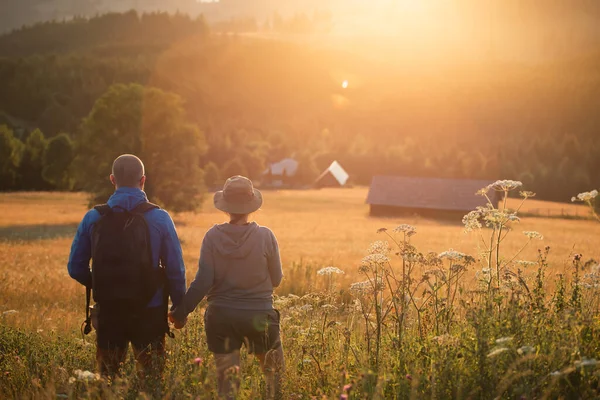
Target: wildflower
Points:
x,y
329,271
198,361
586,362
496,351
526,350
379,247
503,340
524,263
533,235
504,185
343,397
306,308
408,230
408,377
360,287
292,297
9,312
586,196
526,194
452,255
347,388
374,259
307,361
555,374
72,380
411,257
86,376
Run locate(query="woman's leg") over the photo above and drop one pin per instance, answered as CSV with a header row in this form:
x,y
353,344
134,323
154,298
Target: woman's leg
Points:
x,y
273,366
228,367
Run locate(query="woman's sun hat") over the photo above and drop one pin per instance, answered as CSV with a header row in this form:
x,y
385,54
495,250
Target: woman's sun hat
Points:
x,y
238,196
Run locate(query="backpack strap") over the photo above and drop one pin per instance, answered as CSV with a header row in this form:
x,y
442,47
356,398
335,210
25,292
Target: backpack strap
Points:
x,y
103,209
144,207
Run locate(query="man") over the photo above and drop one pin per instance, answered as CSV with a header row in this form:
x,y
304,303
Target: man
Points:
x,y
130,284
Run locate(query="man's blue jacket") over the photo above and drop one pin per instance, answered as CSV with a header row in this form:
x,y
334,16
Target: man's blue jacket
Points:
x,y
163,240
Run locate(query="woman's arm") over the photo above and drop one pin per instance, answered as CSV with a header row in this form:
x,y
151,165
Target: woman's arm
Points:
x,y
274,261
200,286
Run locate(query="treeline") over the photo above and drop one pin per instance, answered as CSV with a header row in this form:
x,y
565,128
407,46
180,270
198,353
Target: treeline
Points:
x,y
257,101
36,163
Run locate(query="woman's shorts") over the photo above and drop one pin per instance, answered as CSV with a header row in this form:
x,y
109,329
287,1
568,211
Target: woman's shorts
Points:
x,y
228,328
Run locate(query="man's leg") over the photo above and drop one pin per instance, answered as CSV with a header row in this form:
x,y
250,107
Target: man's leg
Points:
x,y
111,342
228,370
151,359
148,342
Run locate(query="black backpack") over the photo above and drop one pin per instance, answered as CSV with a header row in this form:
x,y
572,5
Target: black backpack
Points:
x,y
122,267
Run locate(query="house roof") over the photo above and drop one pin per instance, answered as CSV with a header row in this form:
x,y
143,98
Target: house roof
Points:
x,y
289,165
427,193
340,175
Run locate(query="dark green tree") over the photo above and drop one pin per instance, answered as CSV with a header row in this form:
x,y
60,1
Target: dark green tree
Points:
x,y
57,160
30,168
234,167
150,123
10,156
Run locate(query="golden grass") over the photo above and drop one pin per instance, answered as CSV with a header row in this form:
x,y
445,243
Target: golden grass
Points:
x,y
324,227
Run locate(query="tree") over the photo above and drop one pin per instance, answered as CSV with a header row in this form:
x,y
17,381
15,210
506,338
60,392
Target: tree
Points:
x,y
30,168
234,167
10,157
57,160
307,169
212,176
150,123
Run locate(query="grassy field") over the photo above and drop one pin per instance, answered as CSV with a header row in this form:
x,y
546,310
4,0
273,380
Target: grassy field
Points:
x,y
314,228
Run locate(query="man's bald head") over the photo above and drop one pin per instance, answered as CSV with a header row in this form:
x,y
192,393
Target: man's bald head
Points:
x,y
128,171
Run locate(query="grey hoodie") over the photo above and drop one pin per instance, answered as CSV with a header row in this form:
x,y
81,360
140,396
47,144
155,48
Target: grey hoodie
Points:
x,y
239,267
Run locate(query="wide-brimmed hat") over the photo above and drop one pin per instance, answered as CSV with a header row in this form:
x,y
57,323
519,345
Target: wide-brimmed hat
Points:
x,y
238,196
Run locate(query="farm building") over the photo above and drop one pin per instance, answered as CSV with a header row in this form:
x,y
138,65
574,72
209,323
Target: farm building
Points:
x,y
430,197
279,174
333,176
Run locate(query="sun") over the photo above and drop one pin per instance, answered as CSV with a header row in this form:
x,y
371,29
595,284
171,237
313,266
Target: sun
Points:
x,y
345,84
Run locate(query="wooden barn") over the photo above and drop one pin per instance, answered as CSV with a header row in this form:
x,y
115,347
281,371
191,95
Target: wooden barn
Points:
x,y
428,197
333,176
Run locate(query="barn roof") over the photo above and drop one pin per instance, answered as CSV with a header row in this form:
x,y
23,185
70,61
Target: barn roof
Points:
x,y
427,193
336,170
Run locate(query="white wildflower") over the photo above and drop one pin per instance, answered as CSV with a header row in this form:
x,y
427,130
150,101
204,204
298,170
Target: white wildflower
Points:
x,y
555,373
497,351
586,196
504,185
471,220
292,297
452,255
527,194
526,350
86,376
329,307
9,312
533,235
329,271
409,230
374,259
503,340
72,380
586,362
525,263
306,308
379,247
361,287
411,257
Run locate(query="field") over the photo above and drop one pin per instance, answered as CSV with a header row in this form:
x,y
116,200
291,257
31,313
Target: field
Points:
x,y
315,229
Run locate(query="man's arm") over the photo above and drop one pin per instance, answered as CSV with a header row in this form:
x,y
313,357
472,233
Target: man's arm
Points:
x,y
171,256
81,251
201,285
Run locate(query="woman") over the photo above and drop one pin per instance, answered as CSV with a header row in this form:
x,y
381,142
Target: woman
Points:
x,y
238,269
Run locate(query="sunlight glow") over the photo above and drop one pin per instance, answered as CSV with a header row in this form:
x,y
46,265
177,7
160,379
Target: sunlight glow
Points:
x,y
345,84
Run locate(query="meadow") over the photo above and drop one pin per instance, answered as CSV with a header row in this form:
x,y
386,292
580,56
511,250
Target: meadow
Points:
x,y
419,326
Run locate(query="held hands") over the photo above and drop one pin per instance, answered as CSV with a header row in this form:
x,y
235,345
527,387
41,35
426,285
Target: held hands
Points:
x,y
177,324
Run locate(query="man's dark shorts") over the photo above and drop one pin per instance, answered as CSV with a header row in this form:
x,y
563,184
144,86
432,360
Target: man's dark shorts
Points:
x,y
227,329
119,325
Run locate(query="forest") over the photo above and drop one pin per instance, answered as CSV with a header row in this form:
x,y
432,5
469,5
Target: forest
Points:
x,y
254,100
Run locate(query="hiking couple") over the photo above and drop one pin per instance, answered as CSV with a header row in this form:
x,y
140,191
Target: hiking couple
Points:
x,y
137,264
